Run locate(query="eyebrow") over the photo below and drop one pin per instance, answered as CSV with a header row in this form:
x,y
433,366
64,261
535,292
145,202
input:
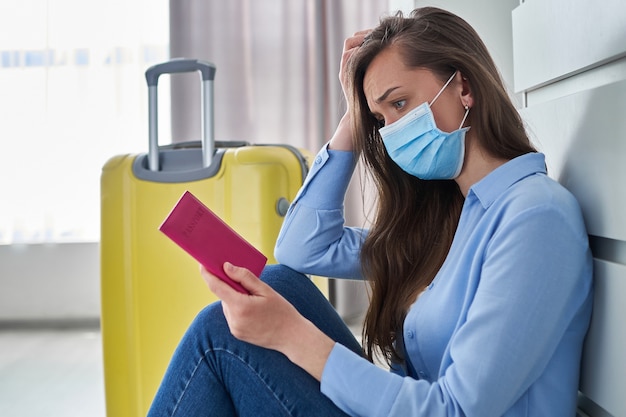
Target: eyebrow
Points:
x,y
386,94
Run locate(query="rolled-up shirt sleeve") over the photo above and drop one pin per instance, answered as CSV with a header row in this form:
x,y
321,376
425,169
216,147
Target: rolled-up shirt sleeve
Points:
x,y
314,238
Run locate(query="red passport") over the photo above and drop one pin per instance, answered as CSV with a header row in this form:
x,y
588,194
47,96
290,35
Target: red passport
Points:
x,y
206,237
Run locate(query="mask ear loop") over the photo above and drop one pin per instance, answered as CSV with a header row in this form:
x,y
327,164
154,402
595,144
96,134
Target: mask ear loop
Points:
x,y
442,88
465,116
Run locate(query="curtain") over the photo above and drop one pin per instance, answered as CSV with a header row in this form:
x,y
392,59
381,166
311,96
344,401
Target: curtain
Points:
x,y
277,81
277,66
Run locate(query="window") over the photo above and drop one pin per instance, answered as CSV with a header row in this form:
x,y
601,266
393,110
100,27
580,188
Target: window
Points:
x,y
72,94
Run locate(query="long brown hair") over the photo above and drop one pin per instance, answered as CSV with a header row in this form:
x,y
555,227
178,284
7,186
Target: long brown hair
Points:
x,y
415,219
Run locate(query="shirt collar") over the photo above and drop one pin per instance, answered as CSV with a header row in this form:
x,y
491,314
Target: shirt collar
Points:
x,y
488,189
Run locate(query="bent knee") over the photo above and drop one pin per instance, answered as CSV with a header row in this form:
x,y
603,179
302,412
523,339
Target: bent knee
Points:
x,y
281,277
209,315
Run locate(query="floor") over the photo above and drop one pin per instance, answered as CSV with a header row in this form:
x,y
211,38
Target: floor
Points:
x,y
52,373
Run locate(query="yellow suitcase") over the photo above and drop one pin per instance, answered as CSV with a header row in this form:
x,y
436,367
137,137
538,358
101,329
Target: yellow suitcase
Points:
x,y
151,289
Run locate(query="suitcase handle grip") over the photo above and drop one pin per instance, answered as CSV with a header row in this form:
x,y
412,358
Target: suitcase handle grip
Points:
x,y
180,65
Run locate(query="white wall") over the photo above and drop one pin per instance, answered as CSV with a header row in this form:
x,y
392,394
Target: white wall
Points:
x,y
50,282
491,19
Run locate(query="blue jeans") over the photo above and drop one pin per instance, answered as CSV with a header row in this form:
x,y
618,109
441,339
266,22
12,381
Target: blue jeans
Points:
x,y
214,374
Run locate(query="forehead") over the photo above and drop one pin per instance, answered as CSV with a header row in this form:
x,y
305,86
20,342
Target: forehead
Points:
x,y
388,71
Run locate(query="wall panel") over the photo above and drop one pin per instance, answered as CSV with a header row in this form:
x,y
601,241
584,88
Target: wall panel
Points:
x,y
570,66
557,38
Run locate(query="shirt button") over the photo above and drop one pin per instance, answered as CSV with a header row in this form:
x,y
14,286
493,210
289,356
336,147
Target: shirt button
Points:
x,y
422,374
318,160
410,334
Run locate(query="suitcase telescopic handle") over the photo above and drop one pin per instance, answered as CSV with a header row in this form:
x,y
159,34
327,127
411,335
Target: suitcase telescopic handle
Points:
x,y
180,65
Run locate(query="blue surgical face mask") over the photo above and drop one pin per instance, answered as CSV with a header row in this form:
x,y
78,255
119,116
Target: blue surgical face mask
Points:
x,y
420,148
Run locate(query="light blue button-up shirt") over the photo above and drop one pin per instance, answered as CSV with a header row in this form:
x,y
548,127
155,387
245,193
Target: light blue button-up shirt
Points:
x,y
499,332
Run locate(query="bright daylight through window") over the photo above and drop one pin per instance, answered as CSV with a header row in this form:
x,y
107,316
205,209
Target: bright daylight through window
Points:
x,y
72,95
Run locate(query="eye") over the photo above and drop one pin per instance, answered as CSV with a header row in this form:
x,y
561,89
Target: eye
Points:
x,y
399,105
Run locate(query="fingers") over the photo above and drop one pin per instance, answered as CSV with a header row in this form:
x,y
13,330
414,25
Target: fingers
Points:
x,y
350,45
216,285
355,40
242,276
